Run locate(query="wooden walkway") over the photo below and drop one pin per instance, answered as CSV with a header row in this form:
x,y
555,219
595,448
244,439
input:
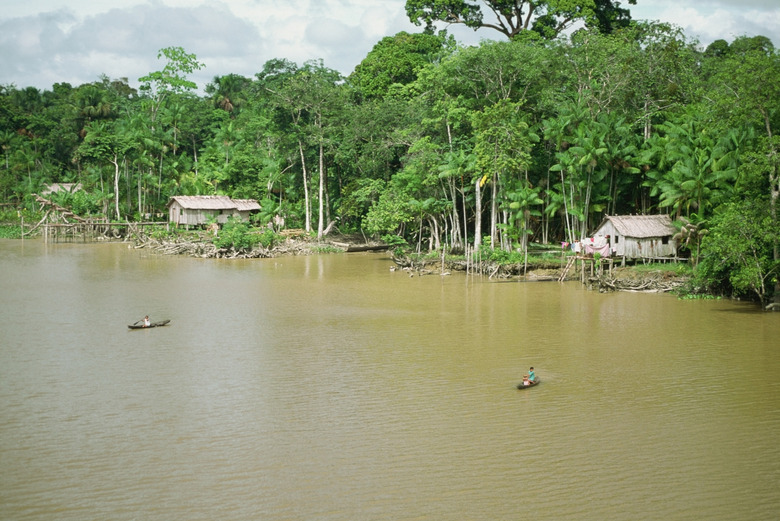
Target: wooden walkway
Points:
x,y
90,231
60,224
565,271
571,264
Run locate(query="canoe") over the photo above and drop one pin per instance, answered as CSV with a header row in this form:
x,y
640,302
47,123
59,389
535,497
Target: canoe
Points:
x,y
532,384
153,324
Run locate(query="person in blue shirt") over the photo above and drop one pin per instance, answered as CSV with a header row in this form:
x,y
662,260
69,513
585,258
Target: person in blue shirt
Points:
x,y
530,377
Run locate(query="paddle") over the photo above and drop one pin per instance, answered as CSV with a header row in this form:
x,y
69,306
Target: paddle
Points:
x,y
137,321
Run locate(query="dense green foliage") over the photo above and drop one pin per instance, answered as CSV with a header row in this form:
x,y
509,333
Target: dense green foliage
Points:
x,y
739,251
238,235
530,139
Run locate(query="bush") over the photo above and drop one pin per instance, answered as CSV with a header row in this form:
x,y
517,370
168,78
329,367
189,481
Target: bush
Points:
x,y
80,202
267,238
394,240
238,235
8,231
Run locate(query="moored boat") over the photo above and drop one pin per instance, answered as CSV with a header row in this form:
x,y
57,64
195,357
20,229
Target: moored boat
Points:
x,y
153,324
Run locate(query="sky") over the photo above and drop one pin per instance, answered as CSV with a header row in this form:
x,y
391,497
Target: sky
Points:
x,y
43,42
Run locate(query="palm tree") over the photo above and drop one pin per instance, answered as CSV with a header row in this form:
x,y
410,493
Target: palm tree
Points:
x,y
690,235
92,104
228,92
694,169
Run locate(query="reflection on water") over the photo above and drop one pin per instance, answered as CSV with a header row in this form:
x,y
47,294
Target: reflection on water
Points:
x,y
329,387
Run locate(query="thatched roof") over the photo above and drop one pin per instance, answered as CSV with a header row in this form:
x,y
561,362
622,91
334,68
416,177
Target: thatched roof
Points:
x,y
214,202
641,226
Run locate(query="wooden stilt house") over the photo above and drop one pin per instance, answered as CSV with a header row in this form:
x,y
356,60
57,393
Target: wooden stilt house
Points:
x,y
196,210
639,236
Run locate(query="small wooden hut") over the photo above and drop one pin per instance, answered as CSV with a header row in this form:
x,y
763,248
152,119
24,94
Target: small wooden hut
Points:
x,y
196,210
54,188
639,236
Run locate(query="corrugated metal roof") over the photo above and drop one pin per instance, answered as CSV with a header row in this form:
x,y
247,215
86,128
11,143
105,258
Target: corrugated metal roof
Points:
x,y
641,226
204,202
61,187
246,205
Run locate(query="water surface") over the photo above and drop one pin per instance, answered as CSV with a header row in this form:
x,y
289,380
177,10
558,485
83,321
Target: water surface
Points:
x,y
330,387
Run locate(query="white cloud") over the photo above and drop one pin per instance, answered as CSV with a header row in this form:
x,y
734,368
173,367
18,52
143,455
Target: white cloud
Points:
x,y
714,19
47,41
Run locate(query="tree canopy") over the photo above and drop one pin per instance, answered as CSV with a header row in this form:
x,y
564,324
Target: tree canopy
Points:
x,y
512,17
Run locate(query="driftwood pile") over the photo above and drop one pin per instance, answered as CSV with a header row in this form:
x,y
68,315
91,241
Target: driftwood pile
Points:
x,y
206,250
605,284
177,247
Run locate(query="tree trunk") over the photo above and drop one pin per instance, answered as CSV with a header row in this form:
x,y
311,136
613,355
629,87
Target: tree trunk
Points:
x,y
494,211
307,204
434,224
455,236
115,162
478,216
465,220
320,219
140,205
195,155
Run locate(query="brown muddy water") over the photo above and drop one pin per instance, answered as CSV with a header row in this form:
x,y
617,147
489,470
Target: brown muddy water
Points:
x,y
332,388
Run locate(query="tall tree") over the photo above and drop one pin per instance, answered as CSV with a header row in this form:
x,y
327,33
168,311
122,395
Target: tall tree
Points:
x,y
311,96
512,17
106,143
161,89
172,79
503,142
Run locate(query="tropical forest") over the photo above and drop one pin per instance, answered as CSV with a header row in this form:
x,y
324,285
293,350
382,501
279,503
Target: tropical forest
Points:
x,y
572,113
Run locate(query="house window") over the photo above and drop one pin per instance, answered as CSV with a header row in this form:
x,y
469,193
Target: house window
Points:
x,y
617,239
664,240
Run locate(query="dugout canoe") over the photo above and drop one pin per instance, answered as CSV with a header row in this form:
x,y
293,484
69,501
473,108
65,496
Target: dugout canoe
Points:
x,y
153,324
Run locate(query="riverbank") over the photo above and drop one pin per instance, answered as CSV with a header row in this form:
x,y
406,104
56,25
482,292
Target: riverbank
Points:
x,y
657,278
202,246
654,278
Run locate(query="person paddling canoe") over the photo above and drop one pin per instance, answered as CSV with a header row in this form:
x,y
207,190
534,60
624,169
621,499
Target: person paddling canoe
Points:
x,y
530,378
146,321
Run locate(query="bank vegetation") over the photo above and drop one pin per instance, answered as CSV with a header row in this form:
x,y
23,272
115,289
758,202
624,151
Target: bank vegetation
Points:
x,y
433,147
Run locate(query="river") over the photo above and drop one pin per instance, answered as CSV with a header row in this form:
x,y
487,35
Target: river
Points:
x,y
333,388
